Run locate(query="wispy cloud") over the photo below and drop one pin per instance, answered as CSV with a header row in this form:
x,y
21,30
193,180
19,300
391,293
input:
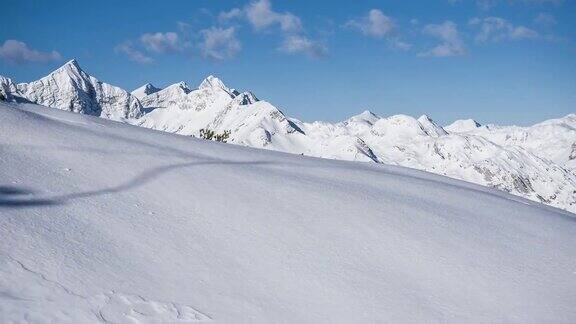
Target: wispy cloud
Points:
x,y
261,16
139,50
375,24
397,43
451,43
234,13
378,25
545,20
219,43
17,52
161,42
127,48
300,44
497,29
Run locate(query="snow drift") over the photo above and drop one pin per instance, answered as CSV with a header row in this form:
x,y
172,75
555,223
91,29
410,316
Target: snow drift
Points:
x,y
105,222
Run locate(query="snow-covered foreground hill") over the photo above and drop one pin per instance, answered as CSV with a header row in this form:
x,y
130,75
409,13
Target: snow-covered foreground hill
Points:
x,y
535,162
106,222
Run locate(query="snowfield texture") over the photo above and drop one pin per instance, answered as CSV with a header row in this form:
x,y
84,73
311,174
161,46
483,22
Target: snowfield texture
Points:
x,y
106,222
538,162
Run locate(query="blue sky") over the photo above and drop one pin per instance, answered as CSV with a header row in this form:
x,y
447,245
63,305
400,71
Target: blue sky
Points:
x,y
498,61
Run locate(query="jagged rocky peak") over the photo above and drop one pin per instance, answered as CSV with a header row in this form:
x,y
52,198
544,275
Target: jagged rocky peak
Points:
x,y
430,126
70,68
183,85
71,65
245,98
8,90
178,87
213,83
70,88
145,90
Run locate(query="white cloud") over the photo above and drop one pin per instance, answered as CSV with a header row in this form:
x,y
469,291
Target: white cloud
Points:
x,y
545,19
133,54
521,32
161,42
219,43
375,24
17,52
398,44
234,13
301,44
451,43
497,29
261,16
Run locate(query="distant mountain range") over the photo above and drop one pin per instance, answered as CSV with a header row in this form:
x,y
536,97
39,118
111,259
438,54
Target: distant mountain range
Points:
x,y
537,162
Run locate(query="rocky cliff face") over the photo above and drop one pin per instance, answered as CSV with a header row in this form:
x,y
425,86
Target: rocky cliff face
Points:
x,y
9,91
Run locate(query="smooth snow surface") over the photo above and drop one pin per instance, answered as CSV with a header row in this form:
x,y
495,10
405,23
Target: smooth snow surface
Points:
x,y
106,222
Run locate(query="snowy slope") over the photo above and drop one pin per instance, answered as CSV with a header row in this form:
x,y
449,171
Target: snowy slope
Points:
x,y
421,144
538,162
102,221
70,88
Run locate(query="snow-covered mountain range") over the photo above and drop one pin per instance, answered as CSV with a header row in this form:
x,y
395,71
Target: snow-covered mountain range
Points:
x,y
70,88
537,162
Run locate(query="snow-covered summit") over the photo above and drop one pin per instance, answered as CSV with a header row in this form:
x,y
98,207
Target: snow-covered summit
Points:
x,y
462,125
366,116
145,90
70,88
71,66
430,126
213,83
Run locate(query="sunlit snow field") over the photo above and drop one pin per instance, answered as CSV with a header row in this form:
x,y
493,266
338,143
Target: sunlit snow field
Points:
x,y
106,222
